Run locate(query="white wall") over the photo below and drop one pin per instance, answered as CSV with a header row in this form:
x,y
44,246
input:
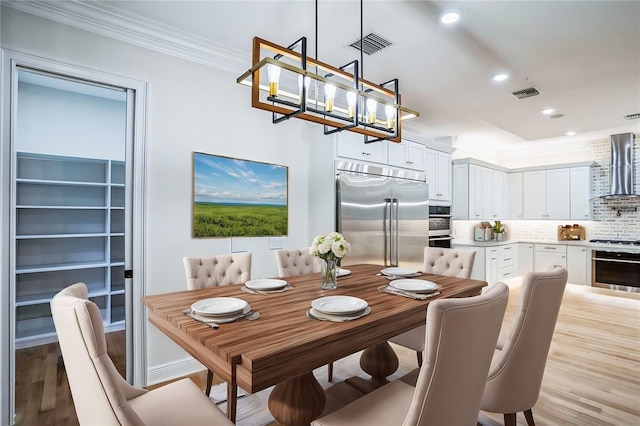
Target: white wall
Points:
x,y
191,107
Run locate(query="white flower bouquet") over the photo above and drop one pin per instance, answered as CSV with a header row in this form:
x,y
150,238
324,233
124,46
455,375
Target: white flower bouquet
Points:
x,y
332,246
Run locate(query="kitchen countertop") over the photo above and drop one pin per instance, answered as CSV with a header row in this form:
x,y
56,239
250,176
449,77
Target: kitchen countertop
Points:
x,y
583,243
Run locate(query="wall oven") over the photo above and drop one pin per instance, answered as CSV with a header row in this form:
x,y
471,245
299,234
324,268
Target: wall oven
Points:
x,y
440,226
618,270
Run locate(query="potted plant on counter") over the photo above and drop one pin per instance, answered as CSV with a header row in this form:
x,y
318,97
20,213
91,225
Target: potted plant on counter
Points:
x,y
499,231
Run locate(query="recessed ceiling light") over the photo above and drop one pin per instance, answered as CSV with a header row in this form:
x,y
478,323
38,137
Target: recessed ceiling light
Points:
x,y
548,111
500,77
571,133
450,16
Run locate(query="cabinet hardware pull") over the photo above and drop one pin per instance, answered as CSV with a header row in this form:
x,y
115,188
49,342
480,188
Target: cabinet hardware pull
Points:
x,y
550,248
508,258
366,153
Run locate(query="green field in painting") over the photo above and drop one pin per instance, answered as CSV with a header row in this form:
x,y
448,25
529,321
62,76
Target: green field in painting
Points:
x,y
238,220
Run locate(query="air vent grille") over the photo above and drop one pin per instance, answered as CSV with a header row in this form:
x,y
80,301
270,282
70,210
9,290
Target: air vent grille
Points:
x,y
633,116
526,93
371,44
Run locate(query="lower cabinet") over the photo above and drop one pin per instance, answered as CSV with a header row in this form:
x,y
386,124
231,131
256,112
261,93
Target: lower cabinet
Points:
x,y
577,261
525,258
492,264
548,255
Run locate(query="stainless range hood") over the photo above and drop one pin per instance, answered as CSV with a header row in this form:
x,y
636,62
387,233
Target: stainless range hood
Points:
x,y
621,167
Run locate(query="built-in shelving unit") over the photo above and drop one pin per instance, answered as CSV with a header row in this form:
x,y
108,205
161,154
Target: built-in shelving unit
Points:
x,y
69,216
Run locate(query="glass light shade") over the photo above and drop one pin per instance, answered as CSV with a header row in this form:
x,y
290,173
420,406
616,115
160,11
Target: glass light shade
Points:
x,y
307,82
273,72
391,116
351,104
372,105
329,95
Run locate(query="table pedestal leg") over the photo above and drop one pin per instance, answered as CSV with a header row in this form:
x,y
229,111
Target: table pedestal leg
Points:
x,y
378,361
297,401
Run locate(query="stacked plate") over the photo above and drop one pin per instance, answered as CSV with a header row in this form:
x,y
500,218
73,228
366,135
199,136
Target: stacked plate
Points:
x,y
339,308
266,284
220,309
400,272
414,286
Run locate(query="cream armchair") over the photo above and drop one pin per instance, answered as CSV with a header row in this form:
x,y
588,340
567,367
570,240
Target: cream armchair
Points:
x,y
461,334
212,271
296,262
100,395
437,261
516,372
204,272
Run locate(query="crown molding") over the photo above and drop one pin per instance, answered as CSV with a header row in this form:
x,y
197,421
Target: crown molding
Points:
x,y
105,20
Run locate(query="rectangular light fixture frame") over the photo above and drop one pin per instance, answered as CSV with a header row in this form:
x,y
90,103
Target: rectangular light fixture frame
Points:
x,y
283,109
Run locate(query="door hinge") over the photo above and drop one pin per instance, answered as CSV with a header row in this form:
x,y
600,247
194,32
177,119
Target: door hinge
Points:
x,y
128,273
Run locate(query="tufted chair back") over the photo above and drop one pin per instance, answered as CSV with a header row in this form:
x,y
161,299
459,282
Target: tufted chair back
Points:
x,y
204,272
449,262
296,262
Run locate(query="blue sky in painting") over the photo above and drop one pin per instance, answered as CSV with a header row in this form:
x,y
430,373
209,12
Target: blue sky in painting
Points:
x,y
227,180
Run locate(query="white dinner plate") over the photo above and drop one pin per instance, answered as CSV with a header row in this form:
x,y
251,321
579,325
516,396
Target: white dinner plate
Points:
x,y
219,306
222,318
266,284
399,272
342,272
416,286
339,305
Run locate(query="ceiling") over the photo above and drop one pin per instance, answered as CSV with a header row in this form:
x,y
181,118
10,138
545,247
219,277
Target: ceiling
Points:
x,y
583,56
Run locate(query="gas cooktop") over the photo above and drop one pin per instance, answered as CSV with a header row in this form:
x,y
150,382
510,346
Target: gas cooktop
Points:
x,y
618,242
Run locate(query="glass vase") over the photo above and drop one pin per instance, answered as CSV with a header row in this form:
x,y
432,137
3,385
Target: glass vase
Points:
x,y
329,269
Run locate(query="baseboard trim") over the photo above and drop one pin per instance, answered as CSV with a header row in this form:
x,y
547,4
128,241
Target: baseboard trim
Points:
x,y
173,370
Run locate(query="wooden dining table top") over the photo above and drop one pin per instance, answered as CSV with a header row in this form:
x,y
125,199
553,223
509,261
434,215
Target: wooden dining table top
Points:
x,y
284,342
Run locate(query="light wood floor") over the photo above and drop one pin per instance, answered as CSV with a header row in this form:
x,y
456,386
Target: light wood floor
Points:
x,y
592,375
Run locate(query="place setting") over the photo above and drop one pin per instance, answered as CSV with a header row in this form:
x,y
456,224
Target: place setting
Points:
x,y
395,273
266,286
220,310
411,288
338,308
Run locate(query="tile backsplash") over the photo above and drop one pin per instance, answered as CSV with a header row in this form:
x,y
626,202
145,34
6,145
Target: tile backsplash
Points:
x,y
606,223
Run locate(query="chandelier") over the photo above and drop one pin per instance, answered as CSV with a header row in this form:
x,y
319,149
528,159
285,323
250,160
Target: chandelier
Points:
x,y
291,84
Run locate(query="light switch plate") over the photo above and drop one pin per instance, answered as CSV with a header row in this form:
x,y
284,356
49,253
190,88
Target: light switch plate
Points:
x,y
238,245
276,243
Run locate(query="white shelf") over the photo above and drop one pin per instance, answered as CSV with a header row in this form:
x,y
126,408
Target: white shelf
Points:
x,y
69,228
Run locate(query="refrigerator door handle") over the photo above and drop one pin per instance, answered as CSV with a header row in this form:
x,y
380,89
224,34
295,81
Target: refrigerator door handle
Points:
x,y
396,234
386,224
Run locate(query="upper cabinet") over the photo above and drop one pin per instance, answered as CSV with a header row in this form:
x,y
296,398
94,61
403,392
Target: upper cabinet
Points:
x,y
581,193
407,154
478,192
438,168
547,194
352,145
514,196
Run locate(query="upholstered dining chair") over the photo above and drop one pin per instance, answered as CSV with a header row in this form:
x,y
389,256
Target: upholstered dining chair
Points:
x,y
518,364
212,271
299,262
438,261
100,395
296,262
461,334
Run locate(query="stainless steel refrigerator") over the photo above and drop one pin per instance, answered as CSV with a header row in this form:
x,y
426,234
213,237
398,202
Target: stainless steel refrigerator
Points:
x,y
383,213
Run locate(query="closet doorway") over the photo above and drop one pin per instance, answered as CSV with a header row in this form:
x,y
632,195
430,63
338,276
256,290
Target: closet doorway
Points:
x,y
72,147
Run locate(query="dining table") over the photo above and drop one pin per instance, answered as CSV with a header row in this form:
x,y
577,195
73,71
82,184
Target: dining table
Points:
x,y
284,345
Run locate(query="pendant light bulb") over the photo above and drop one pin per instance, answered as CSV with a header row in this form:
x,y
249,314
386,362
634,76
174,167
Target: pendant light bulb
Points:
x,y
372,105
351,104
391,116
307,81
329,95
273,71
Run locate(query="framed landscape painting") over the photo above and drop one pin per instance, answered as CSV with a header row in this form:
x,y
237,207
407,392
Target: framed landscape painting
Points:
x,y
238,198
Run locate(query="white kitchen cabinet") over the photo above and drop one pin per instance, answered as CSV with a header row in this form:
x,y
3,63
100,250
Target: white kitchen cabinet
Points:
x,y
479,193
548,255
525,258
581,193
438,169
546,194
498,193
492,258
352,145
69,228
406,154
577,261
514,197
500,263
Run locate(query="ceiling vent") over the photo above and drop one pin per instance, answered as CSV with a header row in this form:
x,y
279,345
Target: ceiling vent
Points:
x,y
632,116
526,93
371,44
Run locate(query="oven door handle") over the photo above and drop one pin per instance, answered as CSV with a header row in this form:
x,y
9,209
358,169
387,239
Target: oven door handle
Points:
x,y
440,238
601,259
